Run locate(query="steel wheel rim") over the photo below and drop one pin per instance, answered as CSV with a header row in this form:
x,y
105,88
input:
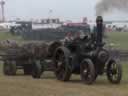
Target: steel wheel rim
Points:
x,y
86,71
114,71
60,65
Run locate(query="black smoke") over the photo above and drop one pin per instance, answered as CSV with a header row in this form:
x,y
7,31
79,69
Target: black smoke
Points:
x,y
105,6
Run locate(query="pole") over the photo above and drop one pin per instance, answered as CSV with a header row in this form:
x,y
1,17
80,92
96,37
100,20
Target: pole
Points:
x,y
2,10
3,17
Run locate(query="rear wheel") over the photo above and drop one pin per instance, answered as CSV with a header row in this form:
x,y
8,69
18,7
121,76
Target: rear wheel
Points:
x,y
114,72
37,69
87,71
9,67
62,66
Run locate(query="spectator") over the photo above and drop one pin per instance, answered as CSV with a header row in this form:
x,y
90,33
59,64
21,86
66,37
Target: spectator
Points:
x,y
69,37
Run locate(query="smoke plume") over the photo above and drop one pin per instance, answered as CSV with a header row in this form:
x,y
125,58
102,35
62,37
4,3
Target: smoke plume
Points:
x,y
105,6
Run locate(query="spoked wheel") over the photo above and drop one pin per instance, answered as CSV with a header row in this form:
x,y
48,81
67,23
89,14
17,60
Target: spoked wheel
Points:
x,y
37,69
62,67
9,67
87,71
6,67
114,72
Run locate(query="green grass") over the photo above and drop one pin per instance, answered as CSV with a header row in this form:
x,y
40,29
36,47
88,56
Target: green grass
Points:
x,y
120,39
125,71
8,36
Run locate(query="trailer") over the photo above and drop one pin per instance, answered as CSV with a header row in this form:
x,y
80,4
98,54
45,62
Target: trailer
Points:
x,y
24,56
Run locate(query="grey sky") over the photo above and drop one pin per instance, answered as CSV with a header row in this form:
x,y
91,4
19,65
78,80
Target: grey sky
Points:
x,y
64,9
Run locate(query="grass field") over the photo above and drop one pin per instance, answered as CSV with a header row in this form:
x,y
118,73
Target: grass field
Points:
x,y
119,39
8,36
48,86
21,85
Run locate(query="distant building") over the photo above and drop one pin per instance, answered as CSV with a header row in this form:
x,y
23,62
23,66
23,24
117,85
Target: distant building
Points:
x,y
49,21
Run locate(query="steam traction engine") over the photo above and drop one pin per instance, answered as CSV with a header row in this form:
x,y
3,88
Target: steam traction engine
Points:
x,y
87,57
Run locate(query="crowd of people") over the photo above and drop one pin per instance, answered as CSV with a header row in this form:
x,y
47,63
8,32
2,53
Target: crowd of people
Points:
x,y
114,28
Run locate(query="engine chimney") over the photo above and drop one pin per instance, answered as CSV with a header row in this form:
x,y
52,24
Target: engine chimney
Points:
x,y
99,34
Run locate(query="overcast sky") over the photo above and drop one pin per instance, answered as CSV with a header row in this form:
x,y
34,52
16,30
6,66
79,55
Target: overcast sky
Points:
x,y
64,9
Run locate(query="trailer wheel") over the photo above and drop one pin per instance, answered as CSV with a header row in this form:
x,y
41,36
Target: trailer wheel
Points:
x,y
37,69
27,69
9,67
114,72
87,71
62,67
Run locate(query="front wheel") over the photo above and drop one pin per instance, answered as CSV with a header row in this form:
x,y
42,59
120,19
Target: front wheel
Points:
x,y
114,72
37,69
87,71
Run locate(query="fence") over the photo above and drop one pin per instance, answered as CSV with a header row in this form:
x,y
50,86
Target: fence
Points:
x,y
45,34
48,34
